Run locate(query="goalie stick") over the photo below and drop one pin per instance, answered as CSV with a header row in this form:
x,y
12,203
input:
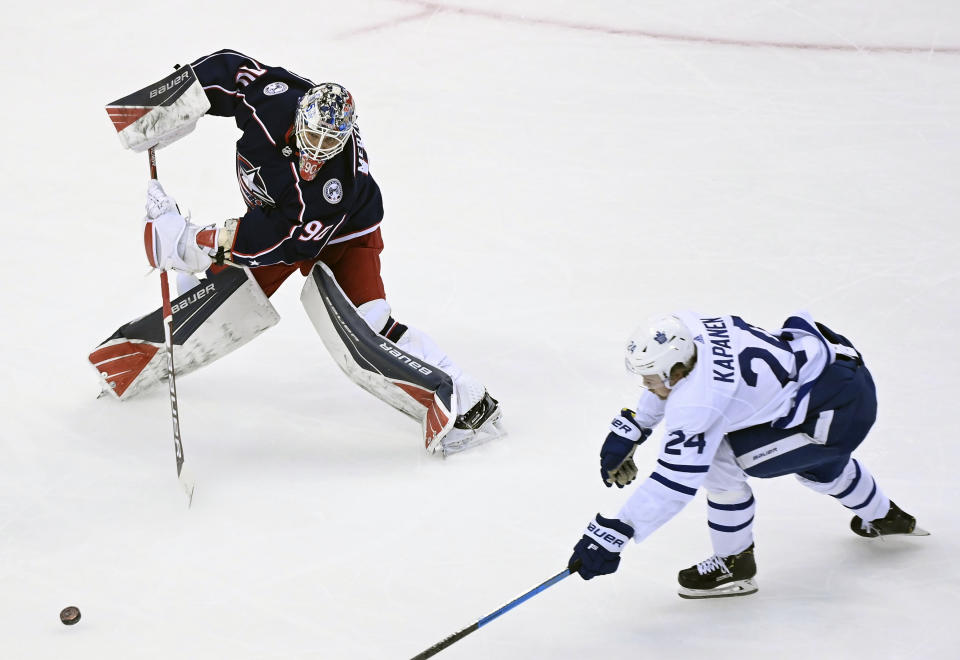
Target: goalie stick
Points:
x,y
186,480
460,634
149,119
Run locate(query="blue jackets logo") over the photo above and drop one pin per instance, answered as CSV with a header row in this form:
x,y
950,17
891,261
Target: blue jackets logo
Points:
x,y
333,191
275,88
252,185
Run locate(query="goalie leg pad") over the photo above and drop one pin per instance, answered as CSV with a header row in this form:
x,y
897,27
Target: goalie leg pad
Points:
x,y
408,383
376,313
478,418
209,321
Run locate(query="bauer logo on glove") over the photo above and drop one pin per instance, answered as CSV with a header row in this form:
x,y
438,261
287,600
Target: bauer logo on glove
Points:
x,y
616,455
611,541
598,550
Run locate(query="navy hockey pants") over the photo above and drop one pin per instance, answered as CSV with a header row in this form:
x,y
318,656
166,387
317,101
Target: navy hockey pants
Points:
x,y
844,390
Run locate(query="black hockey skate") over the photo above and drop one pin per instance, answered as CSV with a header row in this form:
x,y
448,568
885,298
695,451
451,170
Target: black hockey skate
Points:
x,y
474,427
897,521
718,577
477,416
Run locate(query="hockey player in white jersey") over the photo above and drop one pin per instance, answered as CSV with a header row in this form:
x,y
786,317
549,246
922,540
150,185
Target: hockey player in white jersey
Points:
x,y
737,401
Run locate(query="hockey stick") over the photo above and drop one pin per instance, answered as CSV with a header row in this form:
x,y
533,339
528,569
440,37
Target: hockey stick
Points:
x,y
457,636
147,120
186,480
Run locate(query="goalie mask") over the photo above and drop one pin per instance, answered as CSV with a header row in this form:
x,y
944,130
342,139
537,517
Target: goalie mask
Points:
x,y
655,347
324,123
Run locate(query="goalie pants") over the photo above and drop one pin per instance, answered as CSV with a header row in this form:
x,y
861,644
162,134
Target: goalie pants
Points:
x,y
355,263
818,452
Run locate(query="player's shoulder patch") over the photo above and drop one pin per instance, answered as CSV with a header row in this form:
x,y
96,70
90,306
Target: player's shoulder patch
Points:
x,y
333,191
275,88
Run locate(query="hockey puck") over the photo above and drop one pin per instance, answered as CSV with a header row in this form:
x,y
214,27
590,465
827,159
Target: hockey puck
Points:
x,y
69,615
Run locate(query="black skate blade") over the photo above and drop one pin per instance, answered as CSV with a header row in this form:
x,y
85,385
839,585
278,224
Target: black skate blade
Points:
x,y
731,589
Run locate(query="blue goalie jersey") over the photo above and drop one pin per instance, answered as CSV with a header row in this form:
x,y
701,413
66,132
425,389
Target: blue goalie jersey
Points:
x,y
289,218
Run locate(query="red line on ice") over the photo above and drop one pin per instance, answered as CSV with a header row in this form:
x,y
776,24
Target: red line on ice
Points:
x,y
430,8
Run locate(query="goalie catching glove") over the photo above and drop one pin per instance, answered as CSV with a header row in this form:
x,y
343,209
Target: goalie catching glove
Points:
x,y
173,242
616,455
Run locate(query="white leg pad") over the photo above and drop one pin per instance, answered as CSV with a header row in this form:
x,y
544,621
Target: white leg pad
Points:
x,y
399,377
210,320
417,342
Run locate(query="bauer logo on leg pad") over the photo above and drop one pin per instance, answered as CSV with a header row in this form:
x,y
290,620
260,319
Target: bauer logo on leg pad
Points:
x,y
368,350
211,320
193,296
403,357
376,364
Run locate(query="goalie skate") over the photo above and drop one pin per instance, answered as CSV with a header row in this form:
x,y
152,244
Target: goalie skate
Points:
x,y
478,425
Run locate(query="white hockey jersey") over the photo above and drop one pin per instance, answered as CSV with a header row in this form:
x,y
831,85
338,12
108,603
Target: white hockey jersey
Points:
x,y
744,376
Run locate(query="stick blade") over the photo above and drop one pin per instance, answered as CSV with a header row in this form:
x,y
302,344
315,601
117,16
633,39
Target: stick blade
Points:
x,y
188,483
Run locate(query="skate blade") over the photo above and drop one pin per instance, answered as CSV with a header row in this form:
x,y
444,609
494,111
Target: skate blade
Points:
x,y
738,588
917,531
491,430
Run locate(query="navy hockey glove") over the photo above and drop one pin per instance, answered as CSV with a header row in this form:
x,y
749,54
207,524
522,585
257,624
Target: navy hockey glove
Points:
x,y
598,552
616,455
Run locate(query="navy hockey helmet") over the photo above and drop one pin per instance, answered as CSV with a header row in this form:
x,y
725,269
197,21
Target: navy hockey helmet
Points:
x,y
324,123
656,346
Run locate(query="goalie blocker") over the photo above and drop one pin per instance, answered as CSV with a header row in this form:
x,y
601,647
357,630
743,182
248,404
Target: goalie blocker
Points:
x,y
162,113
421,390
221,314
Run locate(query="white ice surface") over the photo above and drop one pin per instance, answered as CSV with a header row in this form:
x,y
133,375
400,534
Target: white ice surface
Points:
x,y
553,173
